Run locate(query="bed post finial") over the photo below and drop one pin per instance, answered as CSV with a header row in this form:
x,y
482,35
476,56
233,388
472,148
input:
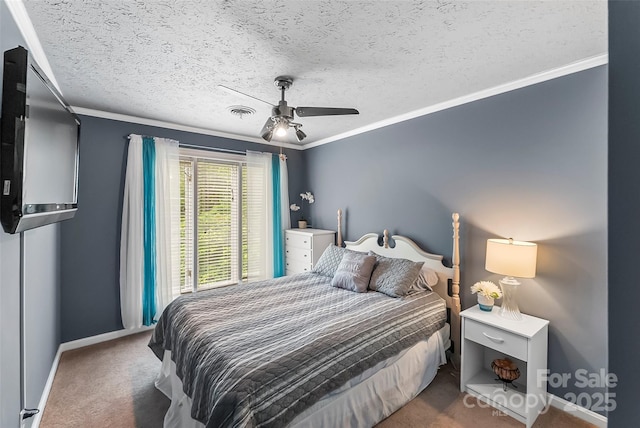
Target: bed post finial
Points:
x,y
455,284
339,227
385,238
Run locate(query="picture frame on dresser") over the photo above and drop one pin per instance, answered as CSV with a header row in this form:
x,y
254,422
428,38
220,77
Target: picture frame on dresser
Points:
x,y
303,248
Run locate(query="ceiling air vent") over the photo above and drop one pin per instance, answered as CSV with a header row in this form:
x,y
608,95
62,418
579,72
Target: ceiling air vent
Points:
x,y
241,111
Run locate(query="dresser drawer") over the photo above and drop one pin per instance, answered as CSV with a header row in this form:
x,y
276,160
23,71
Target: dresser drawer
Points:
x,y
298,241
303,255
297,266
495,338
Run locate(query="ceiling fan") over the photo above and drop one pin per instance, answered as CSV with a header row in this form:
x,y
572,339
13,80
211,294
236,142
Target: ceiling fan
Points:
x,y
282,115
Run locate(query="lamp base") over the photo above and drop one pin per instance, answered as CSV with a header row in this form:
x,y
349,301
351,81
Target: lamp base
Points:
x,y
509,308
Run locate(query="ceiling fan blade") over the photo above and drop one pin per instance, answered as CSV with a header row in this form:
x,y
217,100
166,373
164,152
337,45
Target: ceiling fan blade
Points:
x,y
324,111
236,92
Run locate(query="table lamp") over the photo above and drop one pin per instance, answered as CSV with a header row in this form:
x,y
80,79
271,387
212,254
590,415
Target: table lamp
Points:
x,y
513,259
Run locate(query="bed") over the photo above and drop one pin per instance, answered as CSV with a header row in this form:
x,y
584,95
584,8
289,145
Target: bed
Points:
x,y
296,351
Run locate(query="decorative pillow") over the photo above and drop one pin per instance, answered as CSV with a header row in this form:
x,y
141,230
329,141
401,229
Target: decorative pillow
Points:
x,y
354,272
394,277
329,261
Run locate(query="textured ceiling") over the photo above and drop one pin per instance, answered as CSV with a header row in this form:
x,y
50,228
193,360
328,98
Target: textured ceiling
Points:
x,y
163,59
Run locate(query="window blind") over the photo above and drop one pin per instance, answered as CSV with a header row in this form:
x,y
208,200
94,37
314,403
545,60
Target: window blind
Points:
x,y
213,224
218,199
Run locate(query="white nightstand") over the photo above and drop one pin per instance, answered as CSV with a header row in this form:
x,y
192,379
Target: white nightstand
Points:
x,y
303,248
487,336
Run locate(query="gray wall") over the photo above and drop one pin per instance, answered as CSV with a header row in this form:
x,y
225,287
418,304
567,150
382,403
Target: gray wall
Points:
x,y
529,164
624,208
42,282
90,293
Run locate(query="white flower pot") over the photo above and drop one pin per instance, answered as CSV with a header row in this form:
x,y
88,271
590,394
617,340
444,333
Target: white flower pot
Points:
x,y
485,303
302,224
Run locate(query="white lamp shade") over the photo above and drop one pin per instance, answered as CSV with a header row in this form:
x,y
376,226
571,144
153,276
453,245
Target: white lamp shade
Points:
x,y
511,258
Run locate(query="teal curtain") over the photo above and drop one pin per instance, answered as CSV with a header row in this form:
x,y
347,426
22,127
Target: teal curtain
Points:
x,y
149,231
278,234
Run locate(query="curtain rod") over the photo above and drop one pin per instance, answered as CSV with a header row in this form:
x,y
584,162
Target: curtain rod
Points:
x,y
207,148
212,149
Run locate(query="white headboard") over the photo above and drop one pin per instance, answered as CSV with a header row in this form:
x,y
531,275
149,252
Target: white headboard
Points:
x,y
405,248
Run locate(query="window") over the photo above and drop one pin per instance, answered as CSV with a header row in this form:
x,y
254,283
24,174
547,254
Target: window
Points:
x,y
213,220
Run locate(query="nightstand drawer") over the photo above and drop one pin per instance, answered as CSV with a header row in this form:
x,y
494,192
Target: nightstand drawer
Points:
x,y
495,338
303,255
298,241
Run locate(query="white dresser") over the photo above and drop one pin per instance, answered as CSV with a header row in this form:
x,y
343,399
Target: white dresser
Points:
x,y
304,247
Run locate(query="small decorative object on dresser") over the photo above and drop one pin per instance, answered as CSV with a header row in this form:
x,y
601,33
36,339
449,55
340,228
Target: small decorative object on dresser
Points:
x,y
307,196
487,293
303,248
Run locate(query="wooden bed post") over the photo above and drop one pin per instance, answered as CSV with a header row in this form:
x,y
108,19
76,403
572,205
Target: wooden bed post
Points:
x,y
339,227
455,287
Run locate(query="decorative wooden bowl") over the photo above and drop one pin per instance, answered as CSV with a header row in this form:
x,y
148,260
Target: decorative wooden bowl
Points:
x,y
506,370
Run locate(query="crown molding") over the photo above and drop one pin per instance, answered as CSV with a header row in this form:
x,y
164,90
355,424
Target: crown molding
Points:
x,y
177,127
22,20
575,67
19,13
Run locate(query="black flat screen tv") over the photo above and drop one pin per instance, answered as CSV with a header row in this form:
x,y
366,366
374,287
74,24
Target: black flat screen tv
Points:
x,y
39,157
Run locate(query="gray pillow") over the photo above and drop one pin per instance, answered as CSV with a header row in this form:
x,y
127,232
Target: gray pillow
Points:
x,y
329,261
419,285
394,277
354,272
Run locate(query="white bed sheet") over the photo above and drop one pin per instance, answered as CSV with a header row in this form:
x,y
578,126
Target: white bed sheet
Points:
x,y
362,402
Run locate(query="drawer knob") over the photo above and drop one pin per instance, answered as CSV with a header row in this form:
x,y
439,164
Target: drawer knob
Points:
x,y
495,339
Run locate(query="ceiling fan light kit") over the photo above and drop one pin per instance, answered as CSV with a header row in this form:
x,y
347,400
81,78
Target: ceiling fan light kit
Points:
x,y
300,135
282,115
267,135
281,126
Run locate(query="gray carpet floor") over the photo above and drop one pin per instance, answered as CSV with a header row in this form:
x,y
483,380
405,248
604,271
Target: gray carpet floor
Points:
x,y
111,385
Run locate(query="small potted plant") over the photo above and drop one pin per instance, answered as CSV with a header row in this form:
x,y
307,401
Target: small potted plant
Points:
x,y
307,196
487,293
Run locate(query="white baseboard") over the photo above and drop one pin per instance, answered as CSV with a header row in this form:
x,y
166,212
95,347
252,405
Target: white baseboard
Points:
x,y
577,411
47,388
75,344
87,341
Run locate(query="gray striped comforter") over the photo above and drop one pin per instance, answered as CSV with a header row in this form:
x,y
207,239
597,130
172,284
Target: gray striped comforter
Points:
x,y
260,354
